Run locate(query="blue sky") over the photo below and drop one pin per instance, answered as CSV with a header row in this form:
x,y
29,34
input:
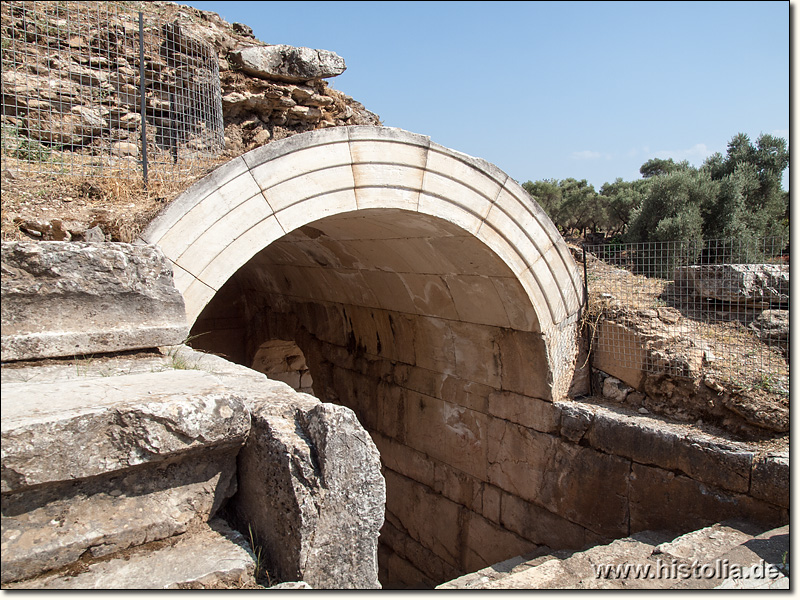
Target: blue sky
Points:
x,y
589,90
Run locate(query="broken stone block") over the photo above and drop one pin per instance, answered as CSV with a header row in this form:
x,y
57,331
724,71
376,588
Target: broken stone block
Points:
x,y
752,284
312,488
99,464
82,298
288,63
213,556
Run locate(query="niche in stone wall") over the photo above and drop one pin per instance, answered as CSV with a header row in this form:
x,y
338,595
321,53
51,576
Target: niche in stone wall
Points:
x,y
282,360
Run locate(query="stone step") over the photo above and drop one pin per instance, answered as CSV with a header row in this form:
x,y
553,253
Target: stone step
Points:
x,y
95,465
728,555
580,569
755,563
500,570
211,556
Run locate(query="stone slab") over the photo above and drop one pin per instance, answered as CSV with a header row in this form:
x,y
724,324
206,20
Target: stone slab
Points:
x,y
50,527
67,430
212,557
82,298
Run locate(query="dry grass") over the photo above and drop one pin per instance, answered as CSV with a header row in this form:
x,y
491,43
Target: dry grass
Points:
x,y
116,200
739,360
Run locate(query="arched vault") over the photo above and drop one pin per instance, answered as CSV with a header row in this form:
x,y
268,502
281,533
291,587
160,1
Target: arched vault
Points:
x,y
341,175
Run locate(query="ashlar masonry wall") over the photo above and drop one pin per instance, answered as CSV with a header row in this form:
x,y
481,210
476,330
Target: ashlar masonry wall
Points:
x,y
481,462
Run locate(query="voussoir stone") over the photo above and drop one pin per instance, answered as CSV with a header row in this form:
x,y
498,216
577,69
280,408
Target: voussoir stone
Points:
x,y
83,298
288,63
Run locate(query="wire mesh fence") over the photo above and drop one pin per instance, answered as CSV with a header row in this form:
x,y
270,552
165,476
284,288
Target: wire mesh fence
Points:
x,y
717,310
104,89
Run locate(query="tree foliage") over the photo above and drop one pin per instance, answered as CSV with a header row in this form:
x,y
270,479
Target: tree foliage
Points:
x,y
735,196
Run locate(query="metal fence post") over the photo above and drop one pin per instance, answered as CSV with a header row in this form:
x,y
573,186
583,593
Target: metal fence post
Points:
x,y
585,309
142,98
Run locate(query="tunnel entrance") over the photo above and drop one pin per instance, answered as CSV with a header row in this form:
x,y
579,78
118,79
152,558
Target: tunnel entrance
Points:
x,y
418,328
429,294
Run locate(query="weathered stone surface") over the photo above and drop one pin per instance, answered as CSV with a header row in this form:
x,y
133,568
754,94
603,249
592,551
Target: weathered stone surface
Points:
x,y
101,463
772,327
689,504
311,486
52,526
288,63
754,284
71,430
650,441
69,299
615,390
708,542
212,556
770,479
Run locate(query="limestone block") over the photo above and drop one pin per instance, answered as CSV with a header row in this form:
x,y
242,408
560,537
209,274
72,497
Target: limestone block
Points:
x,y
407,564
421,380
772,327
376,254
526,411
210,209
489,543
288,63
197,295
280,163
584,486
211,557
460,214
517,457
175,210
575,420
476,173
661,499
391,410
523,226
311,486
86,427
428,518
381,197
447,432
621,352
650,441
468,394
404,460
498,240
323,206
758,285
521,315
433,345
309,184
430,295
539,525
476,300
420,254
476,353
524,363
770,479
219,234
240,250
77,298
49,527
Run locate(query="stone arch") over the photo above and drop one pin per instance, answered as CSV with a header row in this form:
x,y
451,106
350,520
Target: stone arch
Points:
x,y
222,222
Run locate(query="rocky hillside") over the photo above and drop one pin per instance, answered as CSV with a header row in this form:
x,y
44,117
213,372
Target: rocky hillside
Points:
x,y
269,92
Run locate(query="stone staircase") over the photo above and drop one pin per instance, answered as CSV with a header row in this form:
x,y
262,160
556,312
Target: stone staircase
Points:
x,y
728,555
113,481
